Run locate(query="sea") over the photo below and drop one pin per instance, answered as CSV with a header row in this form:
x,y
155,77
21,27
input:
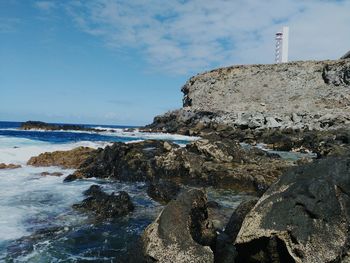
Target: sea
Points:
x,y
37,222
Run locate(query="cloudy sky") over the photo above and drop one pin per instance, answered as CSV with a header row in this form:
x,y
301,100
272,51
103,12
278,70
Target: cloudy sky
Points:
x,y
122,62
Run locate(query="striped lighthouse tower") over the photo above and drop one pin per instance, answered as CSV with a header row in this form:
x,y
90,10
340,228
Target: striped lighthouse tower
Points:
x,y
281,49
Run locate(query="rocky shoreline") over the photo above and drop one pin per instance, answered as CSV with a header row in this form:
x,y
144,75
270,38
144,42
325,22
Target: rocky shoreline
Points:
x,y
301,209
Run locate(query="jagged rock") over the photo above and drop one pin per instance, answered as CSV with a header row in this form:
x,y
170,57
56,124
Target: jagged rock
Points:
x,y
182,232
163,190
105,205
203,162
303,217
337,74
9,166
65,159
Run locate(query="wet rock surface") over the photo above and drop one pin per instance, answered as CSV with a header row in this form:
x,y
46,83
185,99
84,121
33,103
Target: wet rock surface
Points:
x,y
65,159
182,232
222,163
51,174
163,191
105,206
303,217
9,166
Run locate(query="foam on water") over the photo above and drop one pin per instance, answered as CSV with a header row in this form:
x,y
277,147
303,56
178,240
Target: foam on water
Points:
x,y
26,196
19,150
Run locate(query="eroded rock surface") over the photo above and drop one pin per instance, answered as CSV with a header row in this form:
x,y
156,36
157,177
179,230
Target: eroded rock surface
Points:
x,y
205,162
65,159
303,217
163,190
182,232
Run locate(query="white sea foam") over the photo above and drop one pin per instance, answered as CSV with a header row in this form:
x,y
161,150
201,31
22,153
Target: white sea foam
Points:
x,y
29,199
19,150
148,135
125,133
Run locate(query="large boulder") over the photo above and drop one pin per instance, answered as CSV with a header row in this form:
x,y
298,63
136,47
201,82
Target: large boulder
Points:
x,y
65,159
304,217
182,232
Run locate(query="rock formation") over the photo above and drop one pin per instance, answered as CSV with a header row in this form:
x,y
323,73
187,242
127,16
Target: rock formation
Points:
x,y
303,217
223,163
66,159
182,232
9,166
38,125
297,95
105,206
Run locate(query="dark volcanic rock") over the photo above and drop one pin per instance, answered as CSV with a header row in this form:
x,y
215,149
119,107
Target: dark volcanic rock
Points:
x,y
105,205
216,162
38,125
51,174
303,217
182,232
93,190
336,75
163,191
225,250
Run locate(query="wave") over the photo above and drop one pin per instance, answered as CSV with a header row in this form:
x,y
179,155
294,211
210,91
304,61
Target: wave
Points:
x,y
124,133
20,150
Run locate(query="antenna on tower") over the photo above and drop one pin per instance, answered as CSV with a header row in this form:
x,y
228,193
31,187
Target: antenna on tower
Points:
x,y
281,49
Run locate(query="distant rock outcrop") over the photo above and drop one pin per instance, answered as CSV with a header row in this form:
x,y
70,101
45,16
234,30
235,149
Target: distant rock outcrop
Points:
x,y
39,125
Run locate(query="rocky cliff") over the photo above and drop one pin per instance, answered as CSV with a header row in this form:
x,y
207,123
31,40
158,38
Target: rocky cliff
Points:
x,y
310,94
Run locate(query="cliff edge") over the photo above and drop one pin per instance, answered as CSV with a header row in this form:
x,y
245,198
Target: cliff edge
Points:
x,y
298,95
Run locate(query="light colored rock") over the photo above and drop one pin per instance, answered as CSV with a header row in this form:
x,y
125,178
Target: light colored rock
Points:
x,y
272,123
290,91
169,238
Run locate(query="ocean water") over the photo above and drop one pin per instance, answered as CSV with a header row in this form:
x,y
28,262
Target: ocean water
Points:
x,y
37,223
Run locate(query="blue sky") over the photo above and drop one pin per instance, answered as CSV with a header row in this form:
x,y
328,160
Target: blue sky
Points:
x,y
123,62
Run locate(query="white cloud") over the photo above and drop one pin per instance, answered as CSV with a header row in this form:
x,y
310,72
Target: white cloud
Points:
x,y
186,36
46,6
